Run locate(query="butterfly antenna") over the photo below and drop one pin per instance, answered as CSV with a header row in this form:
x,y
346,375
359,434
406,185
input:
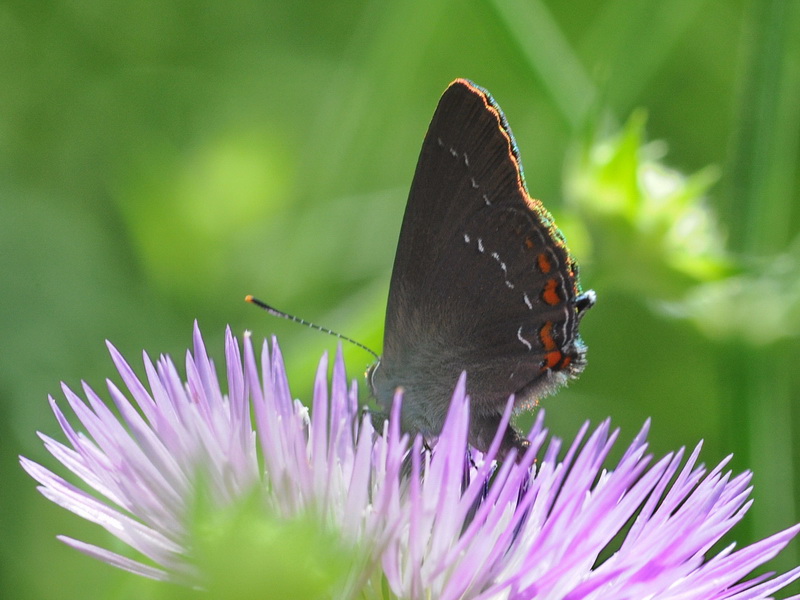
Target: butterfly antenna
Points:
x,y
283,315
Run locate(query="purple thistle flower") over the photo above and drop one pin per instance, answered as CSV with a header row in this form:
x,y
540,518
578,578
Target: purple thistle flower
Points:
x,y
440,523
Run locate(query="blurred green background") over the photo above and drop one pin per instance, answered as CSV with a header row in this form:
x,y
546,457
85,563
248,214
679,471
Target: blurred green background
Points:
x,y
161,159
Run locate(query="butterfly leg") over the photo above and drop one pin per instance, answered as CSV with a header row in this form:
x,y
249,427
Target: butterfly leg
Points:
x,y
483,429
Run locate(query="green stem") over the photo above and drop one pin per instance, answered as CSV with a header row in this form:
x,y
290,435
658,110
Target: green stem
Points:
x,y
760,180
551,56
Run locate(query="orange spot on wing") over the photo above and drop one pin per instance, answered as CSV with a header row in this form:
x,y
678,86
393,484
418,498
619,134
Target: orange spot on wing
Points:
x,y
544,263
546,336
550,292
552,359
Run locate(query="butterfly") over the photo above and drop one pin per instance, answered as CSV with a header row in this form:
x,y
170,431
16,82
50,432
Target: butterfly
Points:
x,y
482,282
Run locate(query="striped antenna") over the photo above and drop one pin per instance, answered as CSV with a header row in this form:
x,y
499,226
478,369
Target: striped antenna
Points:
x,y
283,315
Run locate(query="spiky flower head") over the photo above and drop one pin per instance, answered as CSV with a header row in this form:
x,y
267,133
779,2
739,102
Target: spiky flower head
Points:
x,y
247,490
